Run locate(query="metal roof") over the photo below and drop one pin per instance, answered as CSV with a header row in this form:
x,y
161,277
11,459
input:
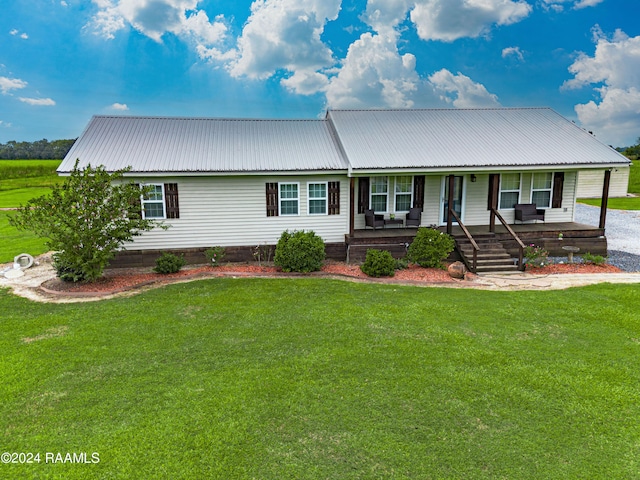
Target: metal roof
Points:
x,y
461,138
205,145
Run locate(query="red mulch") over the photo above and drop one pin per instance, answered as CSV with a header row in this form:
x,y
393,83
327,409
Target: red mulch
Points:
x,y
119,280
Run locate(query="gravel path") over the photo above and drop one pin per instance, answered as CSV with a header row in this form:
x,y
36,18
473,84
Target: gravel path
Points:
x,y
623,234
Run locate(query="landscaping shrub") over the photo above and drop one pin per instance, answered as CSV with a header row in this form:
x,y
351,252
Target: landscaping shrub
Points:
x,y
535,256
593,259
379,263
401,263
430,248
169,263
299,251
215,255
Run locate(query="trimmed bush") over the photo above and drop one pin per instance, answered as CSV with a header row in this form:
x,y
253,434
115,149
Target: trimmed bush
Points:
x,y
299,251
593,259
215,255
430,248
379,263
169,263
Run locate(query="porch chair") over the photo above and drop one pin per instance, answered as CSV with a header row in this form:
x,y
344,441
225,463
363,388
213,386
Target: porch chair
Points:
x,y
372,220
414,217
528,211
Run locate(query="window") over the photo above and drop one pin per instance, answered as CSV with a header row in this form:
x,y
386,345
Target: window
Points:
x,y
317,198
541,189
379,193
509,190
289,199
403,193
153,202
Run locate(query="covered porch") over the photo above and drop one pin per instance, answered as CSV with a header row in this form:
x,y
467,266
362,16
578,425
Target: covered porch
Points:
x,y
550,236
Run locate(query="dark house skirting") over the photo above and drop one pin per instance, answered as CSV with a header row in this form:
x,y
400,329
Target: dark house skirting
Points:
x,y
194,256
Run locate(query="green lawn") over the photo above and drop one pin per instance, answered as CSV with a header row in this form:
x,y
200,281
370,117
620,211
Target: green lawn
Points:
x,y
15,242
312,378
627,203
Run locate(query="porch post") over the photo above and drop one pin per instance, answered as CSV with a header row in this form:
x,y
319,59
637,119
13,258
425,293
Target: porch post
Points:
x,y
493,200
352,206
450,203
605,197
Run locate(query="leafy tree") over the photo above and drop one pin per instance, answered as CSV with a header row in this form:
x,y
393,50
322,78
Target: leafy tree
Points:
x,y
86,220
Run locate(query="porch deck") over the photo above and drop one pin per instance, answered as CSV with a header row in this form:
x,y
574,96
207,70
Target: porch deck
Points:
x,y
586,237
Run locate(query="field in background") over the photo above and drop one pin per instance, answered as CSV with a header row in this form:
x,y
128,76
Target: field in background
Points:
x,y
628,203
20,181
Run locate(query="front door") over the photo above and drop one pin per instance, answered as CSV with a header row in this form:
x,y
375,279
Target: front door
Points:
x,y
458,186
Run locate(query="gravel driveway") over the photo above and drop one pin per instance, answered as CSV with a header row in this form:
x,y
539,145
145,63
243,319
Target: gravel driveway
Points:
x,y
623,234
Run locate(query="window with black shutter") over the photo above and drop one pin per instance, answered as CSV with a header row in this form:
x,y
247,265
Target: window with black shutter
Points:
x,y
334,198
558,187
272,199
418,191
172,207
363,194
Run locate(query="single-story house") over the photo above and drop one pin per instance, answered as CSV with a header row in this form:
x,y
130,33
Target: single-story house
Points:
x,y
239,183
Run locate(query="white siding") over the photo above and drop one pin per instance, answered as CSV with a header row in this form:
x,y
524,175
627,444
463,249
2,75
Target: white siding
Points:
x,y
231,211
590,183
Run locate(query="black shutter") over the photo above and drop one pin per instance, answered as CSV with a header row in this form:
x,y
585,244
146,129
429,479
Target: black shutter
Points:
x,y
418,191
272,199
558,186
172,207
363,194
334,198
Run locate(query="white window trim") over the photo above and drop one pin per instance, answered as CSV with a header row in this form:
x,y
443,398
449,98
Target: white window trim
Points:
x,y
143,201
550,190
371,194
280,199
396,193
501,191
325,198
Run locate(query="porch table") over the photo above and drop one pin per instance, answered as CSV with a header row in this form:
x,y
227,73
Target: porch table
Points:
x,y
394,221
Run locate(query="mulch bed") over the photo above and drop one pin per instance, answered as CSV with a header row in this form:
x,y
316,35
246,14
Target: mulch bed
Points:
x,y
121,280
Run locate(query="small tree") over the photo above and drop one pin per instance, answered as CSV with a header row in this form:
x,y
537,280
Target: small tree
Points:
x,y
430,247
86,220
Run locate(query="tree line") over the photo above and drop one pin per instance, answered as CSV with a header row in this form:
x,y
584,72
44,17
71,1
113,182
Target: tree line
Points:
x,y
38,150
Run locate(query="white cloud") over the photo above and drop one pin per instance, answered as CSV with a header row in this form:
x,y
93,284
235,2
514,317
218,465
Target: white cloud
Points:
x,y
558,5
513,52
120,106
41,102
284,35
374,74
8,84
155,18
15,32
449,20
64,4
614,70
462,92
5,124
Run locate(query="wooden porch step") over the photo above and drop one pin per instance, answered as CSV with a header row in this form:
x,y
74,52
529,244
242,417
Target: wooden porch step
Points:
x,y
491,255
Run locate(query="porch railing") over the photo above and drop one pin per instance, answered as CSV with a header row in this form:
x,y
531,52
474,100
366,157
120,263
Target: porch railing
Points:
x,y
515,237
474,265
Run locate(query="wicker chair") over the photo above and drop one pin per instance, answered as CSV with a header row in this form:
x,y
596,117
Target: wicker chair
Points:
x,y
414,217
528,211
372,220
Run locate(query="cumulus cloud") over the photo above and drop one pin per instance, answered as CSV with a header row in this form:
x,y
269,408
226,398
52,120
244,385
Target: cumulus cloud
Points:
x,y
22,35
8,84
462,92
374,74
513,52
5,124
40,102
285,35
120,106
614,72
155,18
449,20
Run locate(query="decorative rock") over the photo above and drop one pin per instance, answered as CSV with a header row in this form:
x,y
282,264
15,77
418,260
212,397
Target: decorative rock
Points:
x,y
13,273
457,270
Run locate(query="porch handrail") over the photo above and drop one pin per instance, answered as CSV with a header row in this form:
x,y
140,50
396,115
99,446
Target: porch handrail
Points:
x,y
515,236
469,237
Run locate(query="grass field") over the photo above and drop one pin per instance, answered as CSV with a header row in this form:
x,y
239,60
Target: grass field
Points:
x,y
311,378
628,203
20,181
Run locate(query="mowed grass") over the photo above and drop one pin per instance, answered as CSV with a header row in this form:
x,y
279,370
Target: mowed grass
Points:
x,y
20,181
312,378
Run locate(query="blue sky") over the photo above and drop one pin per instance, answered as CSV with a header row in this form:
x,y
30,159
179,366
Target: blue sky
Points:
x,y
62,61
